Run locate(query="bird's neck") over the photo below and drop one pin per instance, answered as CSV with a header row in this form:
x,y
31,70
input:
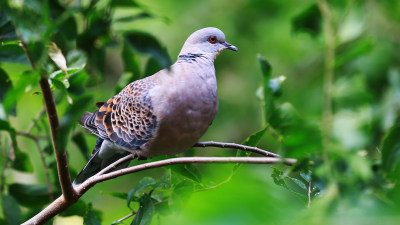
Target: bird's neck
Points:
x,y
199,57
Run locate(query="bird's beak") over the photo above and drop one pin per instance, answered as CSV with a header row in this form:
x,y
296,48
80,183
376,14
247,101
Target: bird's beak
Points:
x,y
231,47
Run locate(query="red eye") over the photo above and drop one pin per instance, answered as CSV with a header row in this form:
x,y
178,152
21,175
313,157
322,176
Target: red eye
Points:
x,y
212,39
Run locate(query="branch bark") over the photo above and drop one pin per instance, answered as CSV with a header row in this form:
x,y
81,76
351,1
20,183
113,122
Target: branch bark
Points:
x,y
61,204
236,146
61,156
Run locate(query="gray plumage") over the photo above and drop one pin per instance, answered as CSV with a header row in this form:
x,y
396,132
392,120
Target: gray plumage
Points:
x,y
162,114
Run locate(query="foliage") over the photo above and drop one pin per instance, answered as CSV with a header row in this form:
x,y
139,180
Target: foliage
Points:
x,y
88,50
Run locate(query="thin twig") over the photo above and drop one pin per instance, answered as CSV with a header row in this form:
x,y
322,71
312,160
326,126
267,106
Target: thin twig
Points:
x,y
126,217
42,159
309,194
35,119
31,136
236,146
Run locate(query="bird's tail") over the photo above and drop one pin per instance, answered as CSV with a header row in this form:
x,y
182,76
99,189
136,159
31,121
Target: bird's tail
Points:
x,y
99,161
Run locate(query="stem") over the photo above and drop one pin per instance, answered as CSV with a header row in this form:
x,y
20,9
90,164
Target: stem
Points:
x,y
327,115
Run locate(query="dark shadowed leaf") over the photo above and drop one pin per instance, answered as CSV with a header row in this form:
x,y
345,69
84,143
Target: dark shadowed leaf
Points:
x,y
145,213
123,196
13,53
152,66
7,31
146,43
79,208
79,140
11,211
137,191
391,153
142,15
309,21
124,3
187,170
165,181
5,84
71,115
31,195
21,162
91,218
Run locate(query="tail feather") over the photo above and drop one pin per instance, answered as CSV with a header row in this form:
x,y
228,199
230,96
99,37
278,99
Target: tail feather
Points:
x,y
98,161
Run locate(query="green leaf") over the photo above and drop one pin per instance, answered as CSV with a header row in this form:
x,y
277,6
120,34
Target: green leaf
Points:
x,y
31,195
253,141
11,211
164,182
187,170
308,21
267,98
71,115
306,176
391,153
7,31
145,213
79,140
278,177
123,196
131,61
353,49
5,84
124,3
134,194
13,53
21,84
21,162
80,208
146,43
181,194
91,217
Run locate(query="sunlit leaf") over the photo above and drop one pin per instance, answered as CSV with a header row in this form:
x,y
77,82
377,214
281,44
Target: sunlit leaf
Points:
x,y
57,56
11,211
145,213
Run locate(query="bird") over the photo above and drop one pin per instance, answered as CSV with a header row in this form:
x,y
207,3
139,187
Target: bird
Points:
x,y
162,114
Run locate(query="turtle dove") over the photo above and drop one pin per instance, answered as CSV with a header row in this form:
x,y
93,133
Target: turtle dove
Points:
x,y
162,114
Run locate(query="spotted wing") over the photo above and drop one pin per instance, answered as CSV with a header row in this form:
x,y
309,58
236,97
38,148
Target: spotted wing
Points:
x,y
127,119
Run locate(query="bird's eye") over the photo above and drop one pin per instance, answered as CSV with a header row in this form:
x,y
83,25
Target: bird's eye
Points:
x,y
212,39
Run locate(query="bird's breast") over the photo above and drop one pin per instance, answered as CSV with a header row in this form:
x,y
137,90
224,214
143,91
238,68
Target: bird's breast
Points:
x,y
185,106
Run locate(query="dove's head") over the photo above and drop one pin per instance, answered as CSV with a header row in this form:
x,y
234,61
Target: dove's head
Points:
x,y
208,41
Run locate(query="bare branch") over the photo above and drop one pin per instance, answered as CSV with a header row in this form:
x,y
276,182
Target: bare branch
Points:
x,y
236,146
60,204
61,156
126,217
181,160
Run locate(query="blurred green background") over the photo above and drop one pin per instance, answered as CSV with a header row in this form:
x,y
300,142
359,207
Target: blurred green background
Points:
x,y
350,153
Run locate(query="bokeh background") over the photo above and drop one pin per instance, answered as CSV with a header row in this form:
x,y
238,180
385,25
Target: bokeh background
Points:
x,y
350,157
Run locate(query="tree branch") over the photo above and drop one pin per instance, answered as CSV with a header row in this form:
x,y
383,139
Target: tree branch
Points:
x,y
61,156
60,204
236,146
